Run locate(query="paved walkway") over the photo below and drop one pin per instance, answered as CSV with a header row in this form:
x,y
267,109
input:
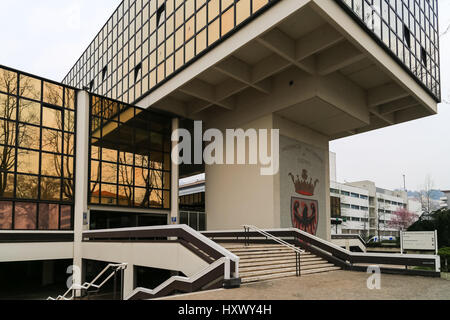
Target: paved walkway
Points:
x,y
338,285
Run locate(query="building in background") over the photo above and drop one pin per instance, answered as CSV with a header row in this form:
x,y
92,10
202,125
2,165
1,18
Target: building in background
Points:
x,y
192,202
365,209
445,201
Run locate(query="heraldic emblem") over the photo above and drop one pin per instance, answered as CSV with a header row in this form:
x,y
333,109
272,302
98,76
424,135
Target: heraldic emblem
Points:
x,y
304,212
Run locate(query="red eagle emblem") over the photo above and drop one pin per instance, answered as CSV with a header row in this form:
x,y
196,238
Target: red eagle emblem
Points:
x,y
305,214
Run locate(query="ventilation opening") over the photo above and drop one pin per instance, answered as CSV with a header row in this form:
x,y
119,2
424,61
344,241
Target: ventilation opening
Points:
x,y
91,85
423,55
137,71
104,73
159,13
407,36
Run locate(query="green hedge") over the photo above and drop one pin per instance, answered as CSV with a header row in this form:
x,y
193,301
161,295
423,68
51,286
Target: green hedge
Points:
x,y
444,253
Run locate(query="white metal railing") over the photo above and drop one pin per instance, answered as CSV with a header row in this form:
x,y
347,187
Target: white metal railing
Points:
x,y
191,231
276,239
92,284
211,267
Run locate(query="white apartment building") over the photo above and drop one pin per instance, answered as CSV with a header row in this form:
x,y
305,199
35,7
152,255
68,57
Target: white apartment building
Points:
x,y
365,209
445,200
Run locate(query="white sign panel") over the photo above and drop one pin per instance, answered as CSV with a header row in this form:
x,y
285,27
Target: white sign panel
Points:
x,y
419,240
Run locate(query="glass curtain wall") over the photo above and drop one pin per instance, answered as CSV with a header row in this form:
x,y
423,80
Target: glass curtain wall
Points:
x,y
130,161
147,41
410,30
37,153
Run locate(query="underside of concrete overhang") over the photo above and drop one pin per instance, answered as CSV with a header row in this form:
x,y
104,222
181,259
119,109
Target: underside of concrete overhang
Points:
x,y
313,65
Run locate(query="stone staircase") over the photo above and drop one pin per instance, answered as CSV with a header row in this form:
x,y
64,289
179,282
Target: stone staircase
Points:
x,y
268,262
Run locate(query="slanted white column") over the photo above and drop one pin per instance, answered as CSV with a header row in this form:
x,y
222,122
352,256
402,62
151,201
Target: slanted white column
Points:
x,y
81,181
174,213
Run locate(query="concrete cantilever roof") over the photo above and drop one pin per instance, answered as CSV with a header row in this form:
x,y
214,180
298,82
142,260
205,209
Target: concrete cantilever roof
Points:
x,y
306,61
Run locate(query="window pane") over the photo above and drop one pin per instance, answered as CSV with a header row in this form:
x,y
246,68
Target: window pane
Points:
x,y
5,214
7,106
28,161
25,216
66,217
109,194
48,216
7,189
51,118
70,99
30,87
50,189
51,140
69,121
53,94
7,132
51,165
29,136
68,190
30,112
8,81
27,187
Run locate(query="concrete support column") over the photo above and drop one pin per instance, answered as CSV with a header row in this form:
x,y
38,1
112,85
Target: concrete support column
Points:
x,y
175,212
81,182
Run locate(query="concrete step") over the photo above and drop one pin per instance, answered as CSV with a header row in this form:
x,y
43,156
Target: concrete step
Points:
x,y
287,274
274,261
320,270
253,246
284,270
269,277
264,252
303,265
243,249
270,256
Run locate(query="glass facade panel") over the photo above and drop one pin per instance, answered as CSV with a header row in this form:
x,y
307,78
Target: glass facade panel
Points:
x,y
409,31
5,215
48,216
128,160
37,152
25,216
160,39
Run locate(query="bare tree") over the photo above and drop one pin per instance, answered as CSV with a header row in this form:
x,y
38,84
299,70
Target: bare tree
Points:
x,y
425,196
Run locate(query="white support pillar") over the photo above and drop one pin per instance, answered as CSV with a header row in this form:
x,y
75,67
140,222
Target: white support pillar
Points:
x,y
175,212
81,182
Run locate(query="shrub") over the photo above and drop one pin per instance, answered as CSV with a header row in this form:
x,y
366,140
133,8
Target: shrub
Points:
x,y
444,253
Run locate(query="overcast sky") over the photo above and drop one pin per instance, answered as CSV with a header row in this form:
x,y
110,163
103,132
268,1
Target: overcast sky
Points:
x,y
46,37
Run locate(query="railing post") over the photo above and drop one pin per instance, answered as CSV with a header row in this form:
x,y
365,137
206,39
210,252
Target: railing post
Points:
x,y
115,285
300,264
227,269
122,282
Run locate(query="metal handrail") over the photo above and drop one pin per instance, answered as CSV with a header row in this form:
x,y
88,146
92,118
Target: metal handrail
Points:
x,y
298,251
276,239
88,285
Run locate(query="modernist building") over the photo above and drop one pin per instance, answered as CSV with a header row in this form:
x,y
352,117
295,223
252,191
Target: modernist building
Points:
x,y
367,210
94,152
